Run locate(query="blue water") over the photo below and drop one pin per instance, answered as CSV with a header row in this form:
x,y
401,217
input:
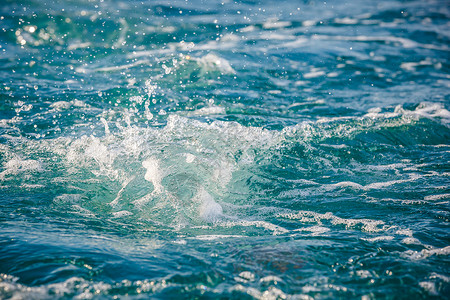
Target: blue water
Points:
x,y
224,149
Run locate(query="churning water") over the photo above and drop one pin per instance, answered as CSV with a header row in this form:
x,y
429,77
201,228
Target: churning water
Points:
x,y
224,149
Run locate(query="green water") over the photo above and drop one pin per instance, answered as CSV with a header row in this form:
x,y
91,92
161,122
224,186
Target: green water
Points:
x,y
224,149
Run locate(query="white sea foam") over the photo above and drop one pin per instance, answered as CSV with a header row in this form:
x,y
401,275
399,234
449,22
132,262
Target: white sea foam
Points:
x,y
407,232
212,237
270,293
297,42
78,287
314,230
430,287
245,276
274,36
437,197
68,198
275,24
313,74
62,105
309,191
84,69
411,66
425,110
404,42
162,168
212,62
271,279
309,23
411,241
77,209
189,158
122,213
223,173
209,210
32,186
346,21
153,173
318,218
275,229
425,253
17,165
209,110
78,45
379,238
228,41
345,184
379,185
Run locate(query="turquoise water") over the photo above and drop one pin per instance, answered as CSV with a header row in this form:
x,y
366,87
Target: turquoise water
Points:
x,y
221,149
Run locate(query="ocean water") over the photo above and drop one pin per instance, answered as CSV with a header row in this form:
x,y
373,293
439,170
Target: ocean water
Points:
x,y
204,149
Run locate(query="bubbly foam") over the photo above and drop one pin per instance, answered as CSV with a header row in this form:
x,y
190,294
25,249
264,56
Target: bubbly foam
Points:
x,y
17,165
425,253
210,210
318,218
153,173
212,62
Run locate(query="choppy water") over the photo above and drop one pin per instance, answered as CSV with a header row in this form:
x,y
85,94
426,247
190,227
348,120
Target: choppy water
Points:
x,y
214,149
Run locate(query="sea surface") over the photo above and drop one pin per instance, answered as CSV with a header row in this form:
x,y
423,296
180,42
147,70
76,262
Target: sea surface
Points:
x,y
204,149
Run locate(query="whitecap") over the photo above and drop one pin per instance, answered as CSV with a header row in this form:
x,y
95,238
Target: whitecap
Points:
x,y
425,253
212,62
153,173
